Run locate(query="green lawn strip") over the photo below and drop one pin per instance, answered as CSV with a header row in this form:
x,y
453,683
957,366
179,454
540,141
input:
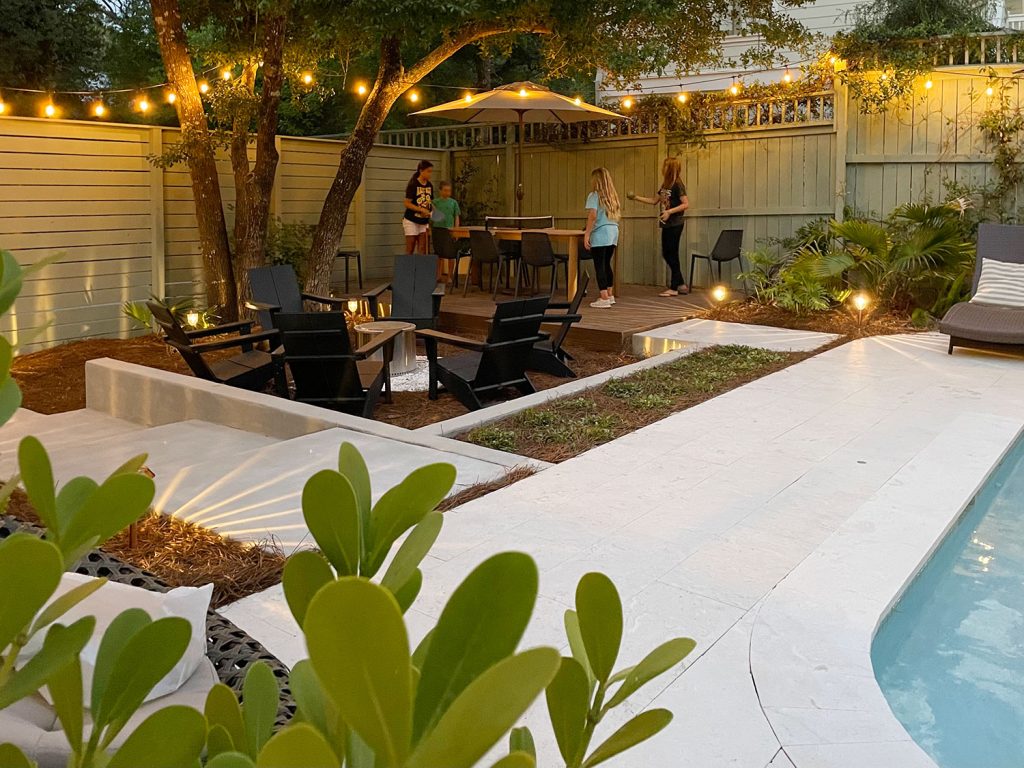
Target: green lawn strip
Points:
x,y
563,428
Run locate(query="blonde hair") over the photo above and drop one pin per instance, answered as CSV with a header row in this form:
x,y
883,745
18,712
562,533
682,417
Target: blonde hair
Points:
x,y
672,172
606,193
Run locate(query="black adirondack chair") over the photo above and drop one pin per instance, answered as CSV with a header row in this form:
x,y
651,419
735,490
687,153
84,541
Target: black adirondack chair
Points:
x,y
250,369
488,367
548,356
325,370
415,292
276,289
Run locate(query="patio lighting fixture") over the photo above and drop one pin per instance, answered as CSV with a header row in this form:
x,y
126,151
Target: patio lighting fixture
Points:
x,y
928,84
307,78
627,103
787,76
414,96
860,301
353,306
734,89
577,101
523,92
143,105
192,318
171,97
989,91
203,86
98,109
361,89
225,74
719,293
681,98
3,107
49,109
469,98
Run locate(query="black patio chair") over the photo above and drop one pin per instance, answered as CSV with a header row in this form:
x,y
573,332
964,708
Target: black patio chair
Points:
x,y
276,289
727,248
484,251
488,367
537,254
447,248
325,370
415,291
250,369
548,356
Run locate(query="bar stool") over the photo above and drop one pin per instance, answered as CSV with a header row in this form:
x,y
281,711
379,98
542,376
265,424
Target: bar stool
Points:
x,y
348,256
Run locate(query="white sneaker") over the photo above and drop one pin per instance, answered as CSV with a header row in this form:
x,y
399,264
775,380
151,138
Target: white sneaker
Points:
x,y
611,299
602,303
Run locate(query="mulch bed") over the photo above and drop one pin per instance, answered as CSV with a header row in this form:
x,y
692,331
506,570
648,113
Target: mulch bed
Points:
x,y
842,322
184,554
569,426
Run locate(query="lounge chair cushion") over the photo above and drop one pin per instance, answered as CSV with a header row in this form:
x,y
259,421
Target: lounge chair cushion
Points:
x,y
1000,283
984,322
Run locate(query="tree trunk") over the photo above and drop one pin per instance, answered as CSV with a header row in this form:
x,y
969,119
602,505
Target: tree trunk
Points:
x,y
213,233
386,90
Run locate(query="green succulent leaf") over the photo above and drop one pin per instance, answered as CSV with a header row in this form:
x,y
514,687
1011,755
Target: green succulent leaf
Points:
x,y
71,497
599,611
360,651
415,547
218,741
353,467
172,737
65,686
516,760
482,623
579,651
639,729
298,746
124,626
11,277
117,503
658,661
231,760
408,592
10,393
330,509
487,708
402,507
260,694
315,707
223,711
521,740
61,647
568,699
305,573
37,477
30,571
12,757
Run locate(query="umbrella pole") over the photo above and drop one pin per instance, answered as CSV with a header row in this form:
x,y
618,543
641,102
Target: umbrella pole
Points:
x,y
519,169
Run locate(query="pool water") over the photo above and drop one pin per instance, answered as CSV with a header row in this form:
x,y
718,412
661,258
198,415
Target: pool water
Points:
x,y
950,656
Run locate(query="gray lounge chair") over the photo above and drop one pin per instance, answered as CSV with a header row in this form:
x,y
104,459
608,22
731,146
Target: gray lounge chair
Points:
x,y
989,326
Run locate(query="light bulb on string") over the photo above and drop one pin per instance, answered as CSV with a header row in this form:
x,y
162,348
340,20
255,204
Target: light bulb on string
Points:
x,y
989,91
523,92
171,97
787,77
627,103
225,74
49,108
203,86
414,96
577,101
99,109
681,98
307,78
142,104
734,89
468,98
928,84
361,89
3,106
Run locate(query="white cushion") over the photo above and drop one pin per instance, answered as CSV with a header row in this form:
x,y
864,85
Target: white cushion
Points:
x,y
110,600
1001,283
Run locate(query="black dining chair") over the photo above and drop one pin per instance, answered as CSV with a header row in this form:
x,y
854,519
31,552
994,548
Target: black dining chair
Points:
x,y
537,255
727,248
447,248
484,251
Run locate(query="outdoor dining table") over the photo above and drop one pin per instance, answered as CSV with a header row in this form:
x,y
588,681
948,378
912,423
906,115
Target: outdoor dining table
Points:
x,y
573,238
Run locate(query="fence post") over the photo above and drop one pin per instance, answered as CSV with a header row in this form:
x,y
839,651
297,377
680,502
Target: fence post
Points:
x,y
840,116
158,261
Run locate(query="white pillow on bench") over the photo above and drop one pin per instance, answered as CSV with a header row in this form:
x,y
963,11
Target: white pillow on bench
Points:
x,y
1001,283
111,599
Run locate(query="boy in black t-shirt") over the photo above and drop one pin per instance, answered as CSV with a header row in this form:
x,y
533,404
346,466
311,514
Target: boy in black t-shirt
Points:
x,y
419,197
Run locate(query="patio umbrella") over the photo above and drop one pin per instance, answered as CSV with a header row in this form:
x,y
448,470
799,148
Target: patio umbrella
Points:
x,y
524,102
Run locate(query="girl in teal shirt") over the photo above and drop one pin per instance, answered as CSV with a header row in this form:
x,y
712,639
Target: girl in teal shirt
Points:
x,y
602,232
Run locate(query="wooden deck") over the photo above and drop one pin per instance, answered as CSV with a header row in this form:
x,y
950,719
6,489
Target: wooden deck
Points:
x,y
638,308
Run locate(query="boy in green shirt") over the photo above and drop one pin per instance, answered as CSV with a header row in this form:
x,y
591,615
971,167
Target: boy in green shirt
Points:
x,y
445,215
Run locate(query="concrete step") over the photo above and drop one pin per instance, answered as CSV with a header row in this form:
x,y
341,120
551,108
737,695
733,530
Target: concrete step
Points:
x,y
258,496
59,432
170,449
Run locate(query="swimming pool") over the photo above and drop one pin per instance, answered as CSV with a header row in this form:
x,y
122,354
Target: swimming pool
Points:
x,y
950,656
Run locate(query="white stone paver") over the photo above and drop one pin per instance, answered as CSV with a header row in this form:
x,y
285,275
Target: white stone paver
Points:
x,y
703,333
700,516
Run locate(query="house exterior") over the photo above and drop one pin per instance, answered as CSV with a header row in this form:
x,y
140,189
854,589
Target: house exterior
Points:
x,y
821,17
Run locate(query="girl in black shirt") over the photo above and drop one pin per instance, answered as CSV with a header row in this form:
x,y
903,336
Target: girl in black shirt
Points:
x,y
673,202
419,198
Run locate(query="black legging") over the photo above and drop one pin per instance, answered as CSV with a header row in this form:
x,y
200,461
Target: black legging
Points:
x,y
602,255
670,237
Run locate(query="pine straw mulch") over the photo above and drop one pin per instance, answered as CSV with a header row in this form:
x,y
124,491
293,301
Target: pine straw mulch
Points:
x,y
183,554
479,490
842,322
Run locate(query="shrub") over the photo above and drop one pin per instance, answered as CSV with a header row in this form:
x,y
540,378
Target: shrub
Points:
x,y
494,437
289,242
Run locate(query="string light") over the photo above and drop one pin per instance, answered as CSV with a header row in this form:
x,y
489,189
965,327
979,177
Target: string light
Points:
x,y
307,78
49,110
3,106
989,91
142,104
928,84
361,89
787,76
203,86
627,103
171,97
98,109
681,98
577,101
523,92
414,96
225,74
734,89
468,98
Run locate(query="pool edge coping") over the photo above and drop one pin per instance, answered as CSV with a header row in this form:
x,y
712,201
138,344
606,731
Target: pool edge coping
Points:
x,y
810,648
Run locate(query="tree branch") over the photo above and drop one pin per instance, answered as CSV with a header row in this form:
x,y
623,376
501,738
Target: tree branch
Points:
x,y
468,34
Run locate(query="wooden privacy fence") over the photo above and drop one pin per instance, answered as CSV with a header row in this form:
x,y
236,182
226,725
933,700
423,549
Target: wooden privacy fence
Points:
x,y
124,228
